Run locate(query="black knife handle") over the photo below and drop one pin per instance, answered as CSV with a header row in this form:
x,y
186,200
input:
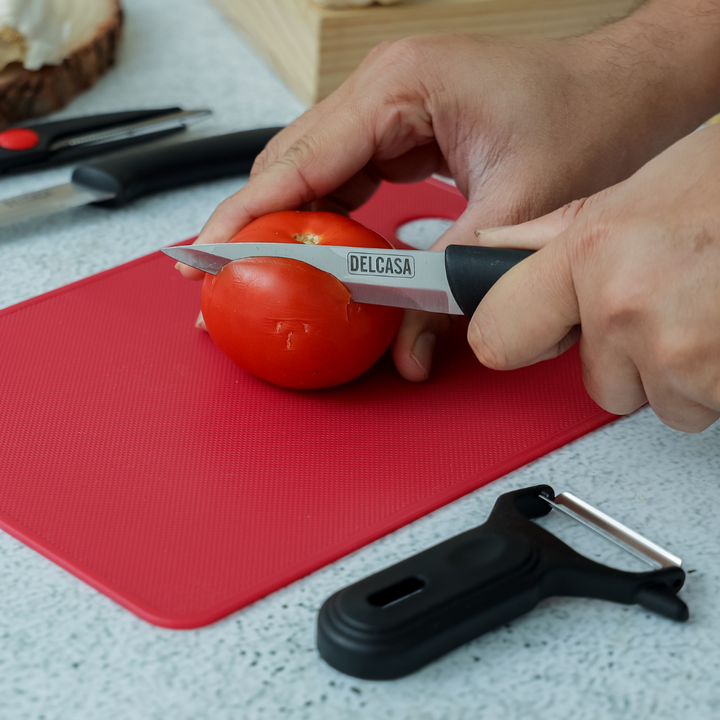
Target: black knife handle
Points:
x,y
149,171
40,156
472,271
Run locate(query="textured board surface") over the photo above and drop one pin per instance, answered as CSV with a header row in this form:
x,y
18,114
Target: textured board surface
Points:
x,y
138,457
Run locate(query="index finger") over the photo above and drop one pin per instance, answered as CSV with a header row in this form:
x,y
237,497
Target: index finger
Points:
x,y
326,156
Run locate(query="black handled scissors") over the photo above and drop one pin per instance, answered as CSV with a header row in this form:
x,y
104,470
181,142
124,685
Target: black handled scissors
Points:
x,y
37,146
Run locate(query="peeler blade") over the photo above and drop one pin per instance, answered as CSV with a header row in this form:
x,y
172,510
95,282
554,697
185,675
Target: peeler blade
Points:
x,y
608,527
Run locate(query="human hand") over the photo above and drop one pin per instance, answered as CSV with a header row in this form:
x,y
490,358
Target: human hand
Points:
x,y
521,127
637,266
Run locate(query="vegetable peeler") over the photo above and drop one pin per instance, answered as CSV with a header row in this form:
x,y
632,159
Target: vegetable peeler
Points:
x,y
398,620
35,147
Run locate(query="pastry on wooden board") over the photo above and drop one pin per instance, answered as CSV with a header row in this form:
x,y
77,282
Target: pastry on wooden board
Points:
x,y
51,50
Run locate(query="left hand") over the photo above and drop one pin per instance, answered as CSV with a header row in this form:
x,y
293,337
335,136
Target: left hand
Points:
x,y
637,267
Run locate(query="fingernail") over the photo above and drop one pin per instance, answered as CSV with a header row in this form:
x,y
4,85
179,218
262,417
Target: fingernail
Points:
x,y
178,265
200,323
490,230
422,352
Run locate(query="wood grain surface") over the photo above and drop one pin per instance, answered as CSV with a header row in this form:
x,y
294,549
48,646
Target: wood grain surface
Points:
x,y
314,49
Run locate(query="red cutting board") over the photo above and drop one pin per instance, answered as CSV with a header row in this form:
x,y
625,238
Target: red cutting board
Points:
x,y
139,458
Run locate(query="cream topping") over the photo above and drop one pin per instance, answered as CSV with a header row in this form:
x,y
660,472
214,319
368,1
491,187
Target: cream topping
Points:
x,y
45,32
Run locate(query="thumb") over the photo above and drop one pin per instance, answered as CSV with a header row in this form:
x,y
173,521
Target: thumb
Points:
x,y
534,234
530,314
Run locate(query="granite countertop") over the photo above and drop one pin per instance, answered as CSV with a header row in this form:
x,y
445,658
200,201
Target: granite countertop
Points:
x,y
68,652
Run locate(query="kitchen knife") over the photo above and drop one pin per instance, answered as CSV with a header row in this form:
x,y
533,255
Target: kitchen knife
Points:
x,y
453,281
116,181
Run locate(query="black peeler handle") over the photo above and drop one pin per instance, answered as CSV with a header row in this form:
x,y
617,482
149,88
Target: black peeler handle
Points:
x,y
411,613
40,155
471,271
144,172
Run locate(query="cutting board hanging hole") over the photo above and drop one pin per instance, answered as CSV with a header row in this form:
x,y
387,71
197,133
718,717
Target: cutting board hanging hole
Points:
x,y
420,234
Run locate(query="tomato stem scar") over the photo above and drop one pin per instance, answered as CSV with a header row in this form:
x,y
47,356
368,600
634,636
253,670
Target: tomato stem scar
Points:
x,y
307,238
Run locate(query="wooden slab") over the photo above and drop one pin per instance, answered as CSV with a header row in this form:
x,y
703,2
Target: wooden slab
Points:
x,y
314,49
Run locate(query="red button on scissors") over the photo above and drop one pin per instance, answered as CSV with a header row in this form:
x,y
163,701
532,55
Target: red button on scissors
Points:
x,y
18,139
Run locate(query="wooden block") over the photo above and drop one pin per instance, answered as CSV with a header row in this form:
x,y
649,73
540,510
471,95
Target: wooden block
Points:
x,y
314,49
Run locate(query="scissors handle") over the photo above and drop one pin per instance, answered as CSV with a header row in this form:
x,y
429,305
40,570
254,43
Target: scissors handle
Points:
x,y
42,144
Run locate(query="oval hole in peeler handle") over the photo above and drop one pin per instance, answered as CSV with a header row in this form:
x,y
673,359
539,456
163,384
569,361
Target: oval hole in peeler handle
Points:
x,y
396,592
394,622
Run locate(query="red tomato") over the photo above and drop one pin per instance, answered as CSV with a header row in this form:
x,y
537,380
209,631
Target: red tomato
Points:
x,y
288,322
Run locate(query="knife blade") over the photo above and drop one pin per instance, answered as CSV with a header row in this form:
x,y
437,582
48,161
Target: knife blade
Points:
x,y
117,181
453,281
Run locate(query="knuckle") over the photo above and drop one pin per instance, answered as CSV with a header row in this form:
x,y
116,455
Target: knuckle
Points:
x,y
401,54
605,395
379,50
685,361
227,207
301,150
611,403
583,210
688,422
619,306
297,158
486,342
280,143
267,157
593,384
595,225
601,384
569,213
586,244
682,353
403,47
671,354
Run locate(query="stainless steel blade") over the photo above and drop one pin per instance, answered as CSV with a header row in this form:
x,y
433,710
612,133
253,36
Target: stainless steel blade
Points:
x,y
402,278
46,201
178,119
613,530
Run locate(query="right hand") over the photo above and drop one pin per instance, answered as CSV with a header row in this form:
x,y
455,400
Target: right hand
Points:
x,y
637,265
522,128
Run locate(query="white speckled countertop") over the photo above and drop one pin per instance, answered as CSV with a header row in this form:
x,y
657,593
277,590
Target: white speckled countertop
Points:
x,y
69,653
